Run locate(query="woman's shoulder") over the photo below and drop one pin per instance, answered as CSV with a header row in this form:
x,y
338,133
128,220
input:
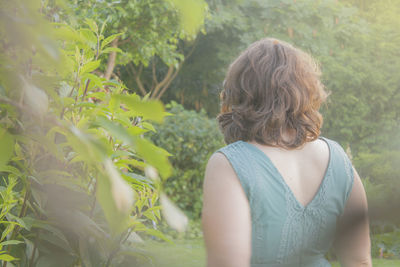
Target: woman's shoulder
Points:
x,y
232,161
332,143
337,151
227,156
217,160
231,147
223,166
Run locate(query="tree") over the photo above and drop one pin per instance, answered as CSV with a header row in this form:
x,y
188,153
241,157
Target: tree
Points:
x,y
351,45
153,33
311,25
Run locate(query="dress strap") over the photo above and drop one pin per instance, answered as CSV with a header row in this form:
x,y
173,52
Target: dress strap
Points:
x,y
342,171
239,160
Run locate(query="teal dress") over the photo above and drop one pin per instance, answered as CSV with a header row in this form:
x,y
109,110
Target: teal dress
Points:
x,y
284,232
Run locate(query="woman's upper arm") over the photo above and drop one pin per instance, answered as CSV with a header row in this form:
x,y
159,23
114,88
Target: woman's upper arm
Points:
x,y
226,216
353,243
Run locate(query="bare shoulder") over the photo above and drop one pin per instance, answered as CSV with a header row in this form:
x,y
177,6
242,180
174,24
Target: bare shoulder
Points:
x,y
218,160
357,202
218,170
320,149
316,153
222,187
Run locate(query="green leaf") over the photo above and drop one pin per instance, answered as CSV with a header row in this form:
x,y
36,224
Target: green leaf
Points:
x,y
20,221
99,95
85,146
148,126
149,110
90,66
11,242
51,229
111,49
6,257
158,234
11,169
6,147
114,104
109,39
150,215
92,24
103,26
121,191
115,129
27,222
123,118
192,14
56,258
96,80
135,130
89,37
154,155
135,163
136,178
66,33
116,220
8,229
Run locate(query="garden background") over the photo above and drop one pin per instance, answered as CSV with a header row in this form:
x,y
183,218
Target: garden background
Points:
x,y
107,118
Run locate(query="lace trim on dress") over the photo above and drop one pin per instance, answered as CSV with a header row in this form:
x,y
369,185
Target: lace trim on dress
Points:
x,y
302,226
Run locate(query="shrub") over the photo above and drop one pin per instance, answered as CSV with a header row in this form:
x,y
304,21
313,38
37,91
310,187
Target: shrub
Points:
x,y
381,173
191,137
72,149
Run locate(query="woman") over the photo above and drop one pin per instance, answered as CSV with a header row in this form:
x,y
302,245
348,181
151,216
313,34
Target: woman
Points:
x,y
278,194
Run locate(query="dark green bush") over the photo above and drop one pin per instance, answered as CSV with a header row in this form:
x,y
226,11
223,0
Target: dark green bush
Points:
x,y
382,183
191,137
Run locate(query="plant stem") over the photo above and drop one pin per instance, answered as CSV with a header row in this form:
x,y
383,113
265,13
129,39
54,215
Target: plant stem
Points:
x,y
34,250
94,199
73,88
84,93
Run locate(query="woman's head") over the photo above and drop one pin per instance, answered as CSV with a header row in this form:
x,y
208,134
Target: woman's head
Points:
x,y
272,94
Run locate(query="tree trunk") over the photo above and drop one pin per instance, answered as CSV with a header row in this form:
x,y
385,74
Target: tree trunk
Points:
x,y
111,60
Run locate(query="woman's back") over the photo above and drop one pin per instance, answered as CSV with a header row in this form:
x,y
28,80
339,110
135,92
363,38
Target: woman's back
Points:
x,y
276,196
287,231
303,169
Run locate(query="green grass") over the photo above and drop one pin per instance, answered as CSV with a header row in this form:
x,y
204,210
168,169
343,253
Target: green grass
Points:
x,y
386,263
188,253
191,253
378,263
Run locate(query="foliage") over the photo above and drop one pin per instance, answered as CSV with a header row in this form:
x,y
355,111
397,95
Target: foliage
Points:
x,y
382,184
191,138
73,152
353,47
364,103
152,37
199,82
356,43
385,242
193,231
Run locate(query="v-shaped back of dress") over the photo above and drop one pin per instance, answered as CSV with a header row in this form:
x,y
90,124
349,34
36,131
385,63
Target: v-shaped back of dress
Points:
x,y
284,232
267,160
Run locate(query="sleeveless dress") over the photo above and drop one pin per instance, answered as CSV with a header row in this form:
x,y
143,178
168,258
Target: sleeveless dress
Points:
x,y
284,232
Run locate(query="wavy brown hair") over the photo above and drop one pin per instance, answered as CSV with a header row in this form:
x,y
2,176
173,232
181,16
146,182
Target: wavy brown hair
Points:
x,y
272,94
